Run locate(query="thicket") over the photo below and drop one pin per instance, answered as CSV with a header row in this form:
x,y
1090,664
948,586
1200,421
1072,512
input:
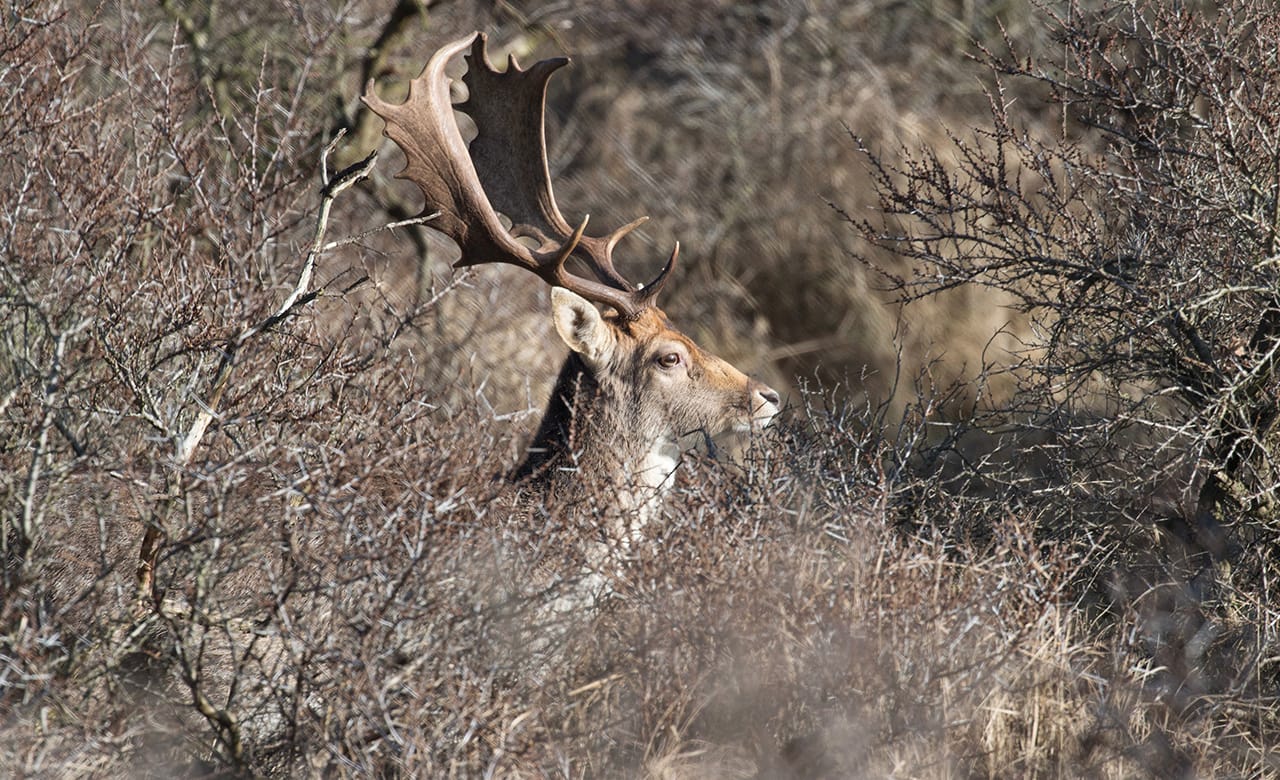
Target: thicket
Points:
x,y
1020,523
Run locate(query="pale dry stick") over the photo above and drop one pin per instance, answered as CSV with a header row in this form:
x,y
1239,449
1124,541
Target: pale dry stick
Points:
x,y
17,539
301,295
27,523
225,722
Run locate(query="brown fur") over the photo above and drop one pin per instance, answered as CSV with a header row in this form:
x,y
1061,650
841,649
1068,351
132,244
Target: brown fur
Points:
x,y
603,421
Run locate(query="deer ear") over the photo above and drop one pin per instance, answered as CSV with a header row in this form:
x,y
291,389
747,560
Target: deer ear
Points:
x,y
581,326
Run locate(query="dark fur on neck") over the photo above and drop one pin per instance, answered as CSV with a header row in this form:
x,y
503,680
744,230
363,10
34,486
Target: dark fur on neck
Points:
x,y
571,401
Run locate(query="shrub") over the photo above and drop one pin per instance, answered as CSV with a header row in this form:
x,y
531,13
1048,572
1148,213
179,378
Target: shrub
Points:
x,y
254,520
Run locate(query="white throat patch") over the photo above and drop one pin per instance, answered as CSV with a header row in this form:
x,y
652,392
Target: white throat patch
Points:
x,y
657,470
649,480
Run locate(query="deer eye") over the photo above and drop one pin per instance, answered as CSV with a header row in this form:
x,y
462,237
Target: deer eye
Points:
x,y
669,360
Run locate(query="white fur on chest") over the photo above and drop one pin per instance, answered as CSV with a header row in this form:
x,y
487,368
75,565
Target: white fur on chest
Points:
x,y
640,498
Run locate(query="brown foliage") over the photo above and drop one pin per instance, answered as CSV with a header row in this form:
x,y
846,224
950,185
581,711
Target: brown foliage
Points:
x,y
345,585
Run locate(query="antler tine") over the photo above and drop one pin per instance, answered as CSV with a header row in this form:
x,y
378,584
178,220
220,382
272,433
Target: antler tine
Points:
x,y
650,291
601,251
503,170
557,274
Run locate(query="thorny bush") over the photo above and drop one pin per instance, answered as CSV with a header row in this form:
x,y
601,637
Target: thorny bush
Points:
x,y
1140,241
343,582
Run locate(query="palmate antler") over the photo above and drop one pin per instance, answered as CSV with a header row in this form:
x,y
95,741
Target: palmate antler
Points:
x,y
504,171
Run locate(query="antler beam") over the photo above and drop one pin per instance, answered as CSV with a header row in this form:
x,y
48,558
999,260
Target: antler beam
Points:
x,y
504,170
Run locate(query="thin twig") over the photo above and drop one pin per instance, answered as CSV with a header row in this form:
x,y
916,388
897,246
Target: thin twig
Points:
x,y
389,226
299,296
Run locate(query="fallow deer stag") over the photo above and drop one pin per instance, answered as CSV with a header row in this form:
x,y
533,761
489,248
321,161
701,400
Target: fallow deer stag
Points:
x,y
633,391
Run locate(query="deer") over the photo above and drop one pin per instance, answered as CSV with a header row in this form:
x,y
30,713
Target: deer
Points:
x,y
634,393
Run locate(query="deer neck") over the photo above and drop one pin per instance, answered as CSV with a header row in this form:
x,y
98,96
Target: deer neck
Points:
x,y
585,442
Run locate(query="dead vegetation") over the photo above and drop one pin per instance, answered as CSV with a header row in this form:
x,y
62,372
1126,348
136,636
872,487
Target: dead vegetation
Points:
x,y
340,581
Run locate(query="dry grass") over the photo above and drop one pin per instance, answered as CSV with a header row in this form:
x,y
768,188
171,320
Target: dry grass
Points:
x,y
347,586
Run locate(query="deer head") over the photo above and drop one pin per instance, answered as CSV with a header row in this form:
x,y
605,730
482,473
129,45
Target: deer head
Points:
x,y
633,388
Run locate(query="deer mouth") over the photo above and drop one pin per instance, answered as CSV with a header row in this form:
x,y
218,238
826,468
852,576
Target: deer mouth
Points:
x,y
765,404
761,414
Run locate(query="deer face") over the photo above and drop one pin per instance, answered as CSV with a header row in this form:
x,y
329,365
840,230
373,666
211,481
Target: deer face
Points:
x,y
652,389
664,384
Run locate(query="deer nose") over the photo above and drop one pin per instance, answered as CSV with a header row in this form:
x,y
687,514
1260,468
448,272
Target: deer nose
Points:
x,y
770,395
